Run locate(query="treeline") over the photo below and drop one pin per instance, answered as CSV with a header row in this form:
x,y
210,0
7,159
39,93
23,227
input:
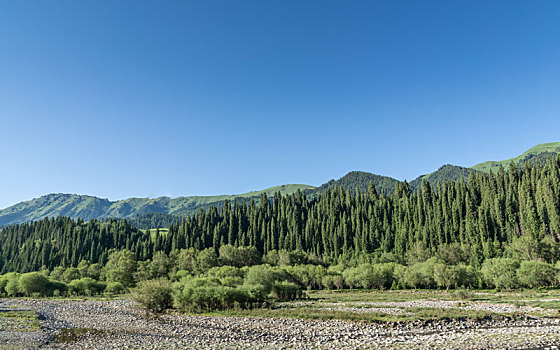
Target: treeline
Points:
x,y
512,214
64,242
153,220
481,217
239,277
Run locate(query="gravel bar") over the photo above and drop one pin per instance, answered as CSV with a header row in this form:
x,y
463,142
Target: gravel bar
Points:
x,y
117,324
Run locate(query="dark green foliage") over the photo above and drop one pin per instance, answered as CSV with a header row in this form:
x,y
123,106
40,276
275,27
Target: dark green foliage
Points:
x,y
153,220
438,231
360,180
447,172
239,256
65,242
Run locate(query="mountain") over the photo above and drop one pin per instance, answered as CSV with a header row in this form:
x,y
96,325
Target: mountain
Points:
x,y
540,152
360,180
89,207
141,209
450,172
447,172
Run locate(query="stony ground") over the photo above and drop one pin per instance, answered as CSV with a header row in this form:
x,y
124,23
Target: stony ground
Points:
x,y
117,324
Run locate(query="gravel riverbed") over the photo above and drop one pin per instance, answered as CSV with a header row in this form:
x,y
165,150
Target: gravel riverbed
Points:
x,y
117,324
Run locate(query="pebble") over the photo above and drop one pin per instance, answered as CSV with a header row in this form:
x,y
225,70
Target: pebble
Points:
x,y
118,324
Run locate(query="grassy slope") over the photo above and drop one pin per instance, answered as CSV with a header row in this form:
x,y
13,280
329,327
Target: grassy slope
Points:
x,y
553,147
81,206
93,207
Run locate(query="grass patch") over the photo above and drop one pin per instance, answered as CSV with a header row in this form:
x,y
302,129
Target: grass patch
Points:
x,y
318,313
353,305
19,321
70,335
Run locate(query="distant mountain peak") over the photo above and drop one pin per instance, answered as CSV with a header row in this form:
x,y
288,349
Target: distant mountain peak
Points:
x,y
539,151
90,207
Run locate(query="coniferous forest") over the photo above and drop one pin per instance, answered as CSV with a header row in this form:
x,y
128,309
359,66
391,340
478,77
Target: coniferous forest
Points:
x,y
490,215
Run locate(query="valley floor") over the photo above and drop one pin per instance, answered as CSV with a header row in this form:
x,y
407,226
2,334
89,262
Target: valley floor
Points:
x,y
117,324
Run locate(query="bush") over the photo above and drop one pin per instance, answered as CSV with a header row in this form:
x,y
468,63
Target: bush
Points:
x,y
154,295
379,276
160,265
445,276
205,260
226,271
239,256
206,294
333,281
85,286
71,274
121,267
308,276
4,281
286,291
12,286
296,257
33,282
262,275
57,273
231,281
534,274
419,275
463,294
114,288
500,272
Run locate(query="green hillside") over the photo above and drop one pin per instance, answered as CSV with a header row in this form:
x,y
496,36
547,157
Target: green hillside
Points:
x,y
89,207
361,180
141,209
545,148
447,172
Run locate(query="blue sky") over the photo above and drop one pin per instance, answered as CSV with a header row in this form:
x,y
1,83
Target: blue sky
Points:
x,y
142,98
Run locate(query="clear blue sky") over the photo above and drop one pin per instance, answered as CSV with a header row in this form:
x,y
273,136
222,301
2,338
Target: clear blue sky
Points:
x,y
143,98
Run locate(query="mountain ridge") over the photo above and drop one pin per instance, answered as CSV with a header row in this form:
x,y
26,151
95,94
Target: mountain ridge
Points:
x,y
91,207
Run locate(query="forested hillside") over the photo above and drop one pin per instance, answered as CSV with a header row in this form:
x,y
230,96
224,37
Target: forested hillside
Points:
x,y
89,207
360,180
447,172
490,215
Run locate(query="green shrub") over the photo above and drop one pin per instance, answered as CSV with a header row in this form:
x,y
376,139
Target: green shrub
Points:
x,y
71,274
231,281
114,288
307,276
534,274
262,275
206,294
239,256
12,286
333,281
153,295
463,294
226,271
85,286
418,275
121,267
33,283
500,272
286,291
